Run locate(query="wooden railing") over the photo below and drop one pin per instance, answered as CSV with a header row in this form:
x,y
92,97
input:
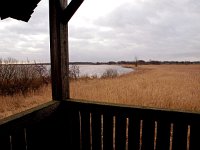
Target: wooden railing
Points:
x,y
93,126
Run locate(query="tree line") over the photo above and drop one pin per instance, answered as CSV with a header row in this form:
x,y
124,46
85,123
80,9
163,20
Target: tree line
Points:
x,y
138,62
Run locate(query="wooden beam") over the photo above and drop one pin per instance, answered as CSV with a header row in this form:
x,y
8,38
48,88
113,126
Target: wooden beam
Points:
x,y
59,51
70,10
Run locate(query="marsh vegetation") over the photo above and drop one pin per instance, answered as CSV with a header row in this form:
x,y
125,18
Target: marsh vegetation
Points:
x,y
160,86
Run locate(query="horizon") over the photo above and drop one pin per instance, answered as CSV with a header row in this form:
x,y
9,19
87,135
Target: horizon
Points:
x,y
101,62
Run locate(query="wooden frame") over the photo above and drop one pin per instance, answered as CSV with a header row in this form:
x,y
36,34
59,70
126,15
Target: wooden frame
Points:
x,y
60,14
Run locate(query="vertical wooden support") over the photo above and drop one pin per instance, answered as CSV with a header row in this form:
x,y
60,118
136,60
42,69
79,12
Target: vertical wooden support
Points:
x,y
96,131
163,135
134,132
120,134
148,134
59,50
85,130
180,131
19,140
72,119
5,142
194,136
107,131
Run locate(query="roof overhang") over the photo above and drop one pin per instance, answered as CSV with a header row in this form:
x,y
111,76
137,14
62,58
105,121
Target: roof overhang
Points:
x,y
17,9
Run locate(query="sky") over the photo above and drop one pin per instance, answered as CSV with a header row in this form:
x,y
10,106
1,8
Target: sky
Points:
x,y
111,30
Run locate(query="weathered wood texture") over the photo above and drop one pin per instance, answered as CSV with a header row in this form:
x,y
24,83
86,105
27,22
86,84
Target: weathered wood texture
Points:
x,y
59,14
127,127
70,10
82,125
59,51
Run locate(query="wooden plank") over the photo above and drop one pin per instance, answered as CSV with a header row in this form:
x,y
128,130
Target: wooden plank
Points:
x,y
107,131
41,136
194,140
66,128
148,129
85,130
134,132
179,141
70,10
29,117
120,134
96,131
163,135
72,117
5,142
19,140
49,133
59,51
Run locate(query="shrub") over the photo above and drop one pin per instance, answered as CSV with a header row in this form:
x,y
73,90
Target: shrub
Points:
x,y
21,78
110,73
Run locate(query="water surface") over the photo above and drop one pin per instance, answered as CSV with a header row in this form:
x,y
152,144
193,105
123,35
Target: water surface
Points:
x,y
98,70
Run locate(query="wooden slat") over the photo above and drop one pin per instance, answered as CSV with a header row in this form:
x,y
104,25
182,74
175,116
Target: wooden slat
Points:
x,y
18,140
49,133
73,128
134,132
5,142
85,130
148,130
96,131
107,131
40,136
120,134
180,130
163,135
194,140
66,128
57,126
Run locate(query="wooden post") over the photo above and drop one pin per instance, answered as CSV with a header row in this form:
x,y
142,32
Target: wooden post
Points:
x,y
59,50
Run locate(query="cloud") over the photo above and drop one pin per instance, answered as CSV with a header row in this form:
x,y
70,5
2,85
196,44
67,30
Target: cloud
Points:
x,y
159,29
23,40
112,30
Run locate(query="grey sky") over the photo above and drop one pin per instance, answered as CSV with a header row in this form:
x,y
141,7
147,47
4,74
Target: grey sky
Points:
x,y
112,30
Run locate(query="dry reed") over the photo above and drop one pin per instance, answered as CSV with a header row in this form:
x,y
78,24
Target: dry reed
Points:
x,y
14,104
161,86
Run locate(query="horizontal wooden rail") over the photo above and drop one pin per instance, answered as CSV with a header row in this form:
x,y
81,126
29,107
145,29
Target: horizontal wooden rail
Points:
x,y
112,126
85,125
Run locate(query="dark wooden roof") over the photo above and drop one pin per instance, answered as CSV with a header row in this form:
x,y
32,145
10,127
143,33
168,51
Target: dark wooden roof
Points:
x,y
17,9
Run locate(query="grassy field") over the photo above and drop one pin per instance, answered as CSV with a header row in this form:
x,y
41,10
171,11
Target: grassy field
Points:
x,y
13,104
162,86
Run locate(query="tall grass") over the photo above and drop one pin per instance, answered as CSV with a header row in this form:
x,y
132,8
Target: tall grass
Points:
x,y
14,104
163,86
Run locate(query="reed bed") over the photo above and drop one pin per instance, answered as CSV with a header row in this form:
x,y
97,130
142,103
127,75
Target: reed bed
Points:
x,y
10,105
159,86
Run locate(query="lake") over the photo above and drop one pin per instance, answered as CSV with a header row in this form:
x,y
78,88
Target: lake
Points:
x,y
91,70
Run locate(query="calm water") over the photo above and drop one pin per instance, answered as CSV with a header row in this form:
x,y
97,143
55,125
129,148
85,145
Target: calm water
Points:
x,y
98,70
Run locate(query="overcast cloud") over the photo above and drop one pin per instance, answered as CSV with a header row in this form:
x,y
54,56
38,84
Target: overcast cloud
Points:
x,y
112,30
